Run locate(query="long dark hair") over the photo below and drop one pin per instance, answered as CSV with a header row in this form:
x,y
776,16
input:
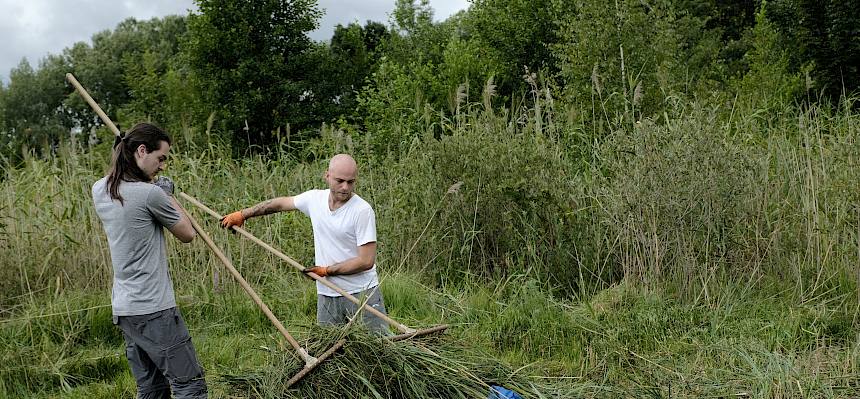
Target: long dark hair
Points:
x,y
123,166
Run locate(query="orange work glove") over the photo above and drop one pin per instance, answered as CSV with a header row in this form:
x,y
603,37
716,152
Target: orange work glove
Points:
x,y
233,219
321,271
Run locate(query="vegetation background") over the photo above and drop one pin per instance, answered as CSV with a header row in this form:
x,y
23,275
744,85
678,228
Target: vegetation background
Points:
x,y
657,198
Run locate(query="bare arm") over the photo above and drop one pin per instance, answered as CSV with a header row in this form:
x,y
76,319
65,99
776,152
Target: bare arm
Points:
x,y
182,230
274,205
364,261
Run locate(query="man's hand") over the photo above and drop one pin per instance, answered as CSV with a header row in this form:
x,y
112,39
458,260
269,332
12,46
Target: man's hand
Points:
x,y
165,184
233,219
321,271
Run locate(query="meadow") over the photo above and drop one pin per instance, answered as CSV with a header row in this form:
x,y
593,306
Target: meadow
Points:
x,y
710,251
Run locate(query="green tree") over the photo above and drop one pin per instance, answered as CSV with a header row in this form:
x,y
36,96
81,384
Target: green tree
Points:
x,y
416,39
410,17
769,81
251,59
123,70
825,35
620,58
421,49
412,82
33,116
514,35
145,70
341,69
2,107
5,134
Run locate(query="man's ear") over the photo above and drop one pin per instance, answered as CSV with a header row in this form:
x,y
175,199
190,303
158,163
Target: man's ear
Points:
x,y
141,150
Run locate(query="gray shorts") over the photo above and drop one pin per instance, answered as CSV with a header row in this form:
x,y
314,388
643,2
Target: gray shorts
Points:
x,y
337,310
161,355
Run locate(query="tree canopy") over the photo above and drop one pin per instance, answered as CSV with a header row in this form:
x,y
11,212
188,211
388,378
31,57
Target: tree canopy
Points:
x,y
249,71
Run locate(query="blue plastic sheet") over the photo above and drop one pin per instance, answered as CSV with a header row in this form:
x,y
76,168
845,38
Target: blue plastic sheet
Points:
x,y
497,392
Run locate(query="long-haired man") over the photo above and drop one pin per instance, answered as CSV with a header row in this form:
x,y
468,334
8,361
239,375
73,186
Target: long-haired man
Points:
x,y
134,209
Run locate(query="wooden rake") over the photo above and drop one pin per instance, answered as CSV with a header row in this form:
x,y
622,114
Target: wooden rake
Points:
x,y
405,332
310,361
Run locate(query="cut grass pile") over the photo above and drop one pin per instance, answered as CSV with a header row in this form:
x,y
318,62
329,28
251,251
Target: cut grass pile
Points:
x,y
370,366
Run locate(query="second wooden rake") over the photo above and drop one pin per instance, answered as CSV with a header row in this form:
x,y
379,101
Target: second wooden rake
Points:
x,y
405,332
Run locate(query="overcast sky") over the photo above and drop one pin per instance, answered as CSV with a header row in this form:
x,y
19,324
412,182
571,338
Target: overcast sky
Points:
x,y
36,28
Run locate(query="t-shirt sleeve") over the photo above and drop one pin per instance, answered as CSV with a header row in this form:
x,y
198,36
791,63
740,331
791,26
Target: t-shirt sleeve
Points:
x,y
161,208
303,202
365,227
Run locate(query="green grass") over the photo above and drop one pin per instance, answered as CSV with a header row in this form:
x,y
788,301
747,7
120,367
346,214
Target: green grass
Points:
x,y
712,253
625,341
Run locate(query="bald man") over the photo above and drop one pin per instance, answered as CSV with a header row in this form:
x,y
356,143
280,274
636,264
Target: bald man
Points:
x,y
344,228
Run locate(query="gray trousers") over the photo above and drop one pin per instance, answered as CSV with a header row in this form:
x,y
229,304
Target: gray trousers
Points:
x,y
337,310
161,355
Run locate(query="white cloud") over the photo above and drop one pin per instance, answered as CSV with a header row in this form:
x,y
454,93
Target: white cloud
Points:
x,y
36,28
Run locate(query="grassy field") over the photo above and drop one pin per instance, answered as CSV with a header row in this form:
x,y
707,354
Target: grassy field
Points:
x,y
710,253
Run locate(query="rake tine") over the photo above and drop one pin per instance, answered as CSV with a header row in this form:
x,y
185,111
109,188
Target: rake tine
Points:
x,y
418,333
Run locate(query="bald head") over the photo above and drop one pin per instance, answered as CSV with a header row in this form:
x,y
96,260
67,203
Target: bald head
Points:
x,y
343,163
341,176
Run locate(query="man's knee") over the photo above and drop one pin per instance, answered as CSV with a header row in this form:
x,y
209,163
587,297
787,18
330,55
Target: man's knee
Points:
x,y
328,311
184,371
373,322
333,311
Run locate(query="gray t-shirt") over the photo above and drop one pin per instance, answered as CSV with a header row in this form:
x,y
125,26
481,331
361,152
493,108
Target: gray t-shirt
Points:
x,y
141,281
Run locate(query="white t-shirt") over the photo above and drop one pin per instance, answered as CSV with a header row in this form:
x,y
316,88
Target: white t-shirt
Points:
x,y
337,236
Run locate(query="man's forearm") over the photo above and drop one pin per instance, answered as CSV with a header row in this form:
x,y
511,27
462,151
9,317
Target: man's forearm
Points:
x,y
183,230
350,266
264,208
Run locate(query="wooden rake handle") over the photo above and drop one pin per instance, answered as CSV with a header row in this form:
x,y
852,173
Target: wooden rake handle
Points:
x,y
301,351
400,327
93,104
